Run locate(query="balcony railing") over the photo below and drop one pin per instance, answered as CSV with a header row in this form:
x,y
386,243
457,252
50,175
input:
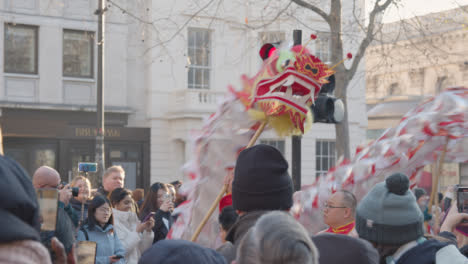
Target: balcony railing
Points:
x,y
193,101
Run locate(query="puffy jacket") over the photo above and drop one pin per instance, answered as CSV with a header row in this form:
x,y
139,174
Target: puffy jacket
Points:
x,y
108,243
125,224
428,252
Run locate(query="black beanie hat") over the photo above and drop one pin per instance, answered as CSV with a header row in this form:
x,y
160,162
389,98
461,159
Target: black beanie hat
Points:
x,y
389,214
418,192
261,180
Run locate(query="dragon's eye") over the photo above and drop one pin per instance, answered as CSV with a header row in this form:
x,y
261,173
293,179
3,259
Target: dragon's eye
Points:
x,y
309,68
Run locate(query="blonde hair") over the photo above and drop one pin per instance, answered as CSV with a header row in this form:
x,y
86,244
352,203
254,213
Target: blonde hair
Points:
x,y
115,168
80,178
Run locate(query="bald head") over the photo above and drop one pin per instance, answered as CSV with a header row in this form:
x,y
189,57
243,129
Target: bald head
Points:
x,y
46,177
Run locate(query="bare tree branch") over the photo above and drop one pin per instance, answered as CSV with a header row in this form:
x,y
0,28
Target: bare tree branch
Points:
x,y
315,9
273,19
369,35
182,27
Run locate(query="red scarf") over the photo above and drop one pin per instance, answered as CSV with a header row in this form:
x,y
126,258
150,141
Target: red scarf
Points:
x,y
343,230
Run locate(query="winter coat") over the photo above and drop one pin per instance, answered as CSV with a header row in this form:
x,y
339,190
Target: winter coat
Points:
x,y
350,250
101,191
108,243
180,252
76,205
70,211
160,229
427,252
19,210
19,217
125,224
237,232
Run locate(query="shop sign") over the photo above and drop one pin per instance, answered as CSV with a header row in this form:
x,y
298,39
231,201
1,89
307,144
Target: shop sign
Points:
x,y
92,132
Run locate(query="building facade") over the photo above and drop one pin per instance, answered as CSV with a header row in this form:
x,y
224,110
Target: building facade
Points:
x,y
415,59
48,89
212,52
167,66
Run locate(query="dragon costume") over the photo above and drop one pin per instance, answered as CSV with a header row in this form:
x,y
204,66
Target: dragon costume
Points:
x,y
280,94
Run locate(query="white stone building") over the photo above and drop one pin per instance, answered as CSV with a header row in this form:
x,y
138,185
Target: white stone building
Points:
x,y
417,58
167,65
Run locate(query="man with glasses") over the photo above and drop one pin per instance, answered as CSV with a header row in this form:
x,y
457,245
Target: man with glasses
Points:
x,y
47,177
339,213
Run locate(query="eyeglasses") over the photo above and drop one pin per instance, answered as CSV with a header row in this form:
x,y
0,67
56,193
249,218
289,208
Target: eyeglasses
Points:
x,y
104,210
326,205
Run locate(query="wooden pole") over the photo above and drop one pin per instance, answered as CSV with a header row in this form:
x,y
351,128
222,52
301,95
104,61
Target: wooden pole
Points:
x,y
435,180
224,189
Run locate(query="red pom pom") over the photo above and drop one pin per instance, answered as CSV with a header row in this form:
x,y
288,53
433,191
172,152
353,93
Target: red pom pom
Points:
x,y
313,36
349,55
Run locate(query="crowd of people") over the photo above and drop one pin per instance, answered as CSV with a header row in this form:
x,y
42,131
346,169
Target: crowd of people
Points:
x,y
392,224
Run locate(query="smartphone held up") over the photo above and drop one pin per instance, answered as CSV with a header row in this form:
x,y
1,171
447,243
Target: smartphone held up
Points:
x,y
462,200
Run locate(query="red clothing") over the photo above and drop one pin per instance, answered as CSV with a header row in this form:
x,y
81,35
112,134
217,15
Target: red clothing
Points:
x,y
225,201
343,230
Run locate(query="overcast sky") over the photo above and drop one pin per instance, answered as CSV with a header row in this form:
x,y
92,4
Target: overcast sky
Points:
x,y
410,8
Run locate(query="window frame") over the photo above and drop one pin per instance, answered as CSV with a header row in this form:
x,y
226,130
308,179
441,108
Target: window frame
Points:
x,y
320,156
35,29
203,85
92,44
269,141
318,47
271,37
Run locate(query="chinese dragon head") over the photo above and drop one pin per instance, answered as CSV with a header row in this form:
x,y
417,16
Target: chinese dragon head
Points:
x,y
285,88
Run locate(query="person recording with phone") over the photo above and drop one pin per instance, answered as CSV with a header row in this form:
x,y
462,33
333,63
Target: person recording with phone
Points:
x,y
99,228
160,202
81,192
135,236
47,177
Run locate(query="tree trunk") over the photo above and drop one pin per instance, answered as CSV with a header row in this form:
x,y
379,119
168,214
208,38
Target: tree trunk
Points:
x,y
341,78
342,128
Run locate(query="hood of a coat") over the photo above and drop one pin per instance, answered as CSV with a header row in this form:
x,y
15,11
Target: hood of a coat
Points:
x,y
242,226
19,213
424,253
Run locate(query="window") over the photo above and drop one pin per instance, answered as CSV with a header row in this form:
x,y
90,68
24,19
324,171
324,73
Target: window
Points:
x,y
394,89
325,156
322,47
440,84
199,55
20,49
78,53
278,144
271,37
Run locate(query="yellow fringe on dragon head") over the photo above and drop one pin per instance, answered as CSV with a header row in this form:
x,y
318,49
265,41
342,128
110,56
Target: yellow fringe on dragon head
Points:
x,y
285,88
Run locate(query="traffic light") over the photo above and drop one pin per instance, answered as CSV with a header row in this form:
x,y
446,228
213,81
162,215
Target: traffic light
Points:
x,y
327,108
267,50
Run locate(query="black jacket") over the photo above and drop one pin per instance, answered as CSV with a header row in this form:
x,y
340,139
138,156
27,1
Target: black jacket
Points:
x,y
160,230
180,252
102,191
19,209
237,232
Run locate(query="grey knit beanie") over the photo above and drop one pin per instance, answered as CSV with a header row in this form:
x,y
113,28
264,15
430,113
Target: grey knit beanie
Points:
x,y
389,214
